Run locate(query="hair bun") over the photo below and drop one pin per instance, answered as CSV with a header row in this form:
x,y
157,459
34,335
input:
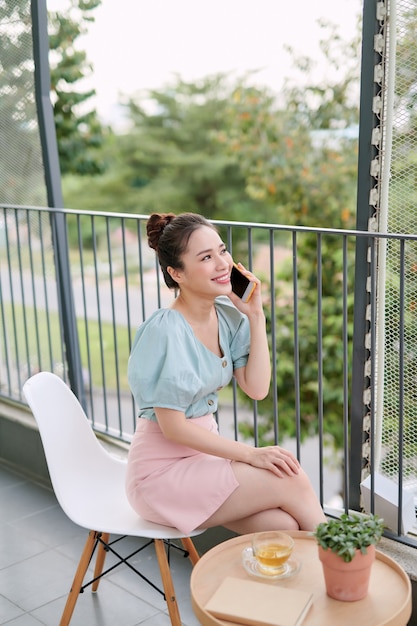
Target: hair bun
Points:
x,y
156,225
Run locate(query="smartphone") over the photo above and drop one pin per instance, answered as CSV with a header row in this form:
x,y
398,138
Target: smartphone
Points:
x,y
241,286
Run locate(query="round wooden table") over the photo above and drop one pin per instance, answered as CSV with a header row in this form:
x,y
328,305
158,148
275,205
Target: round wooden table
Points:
x,y
388,602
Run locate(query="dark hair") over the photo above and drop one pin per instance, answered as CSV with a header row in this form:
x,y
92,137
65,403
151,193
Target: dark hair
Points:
x,y
168,235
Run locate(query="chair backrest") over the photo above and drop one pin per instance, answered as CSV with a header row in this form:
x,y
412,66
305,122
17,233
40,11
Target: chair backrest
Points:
x,y
76,460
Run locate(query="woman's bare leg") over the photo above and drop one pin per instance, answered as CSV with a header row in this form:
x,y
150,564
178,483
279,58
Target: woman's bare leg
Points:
x,y
273,519
264,501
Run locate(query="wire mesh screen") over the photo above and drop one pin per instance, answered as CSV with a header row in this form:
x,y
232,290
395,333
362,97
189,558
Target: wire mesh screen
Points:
x,y
25,237
397,326
21,167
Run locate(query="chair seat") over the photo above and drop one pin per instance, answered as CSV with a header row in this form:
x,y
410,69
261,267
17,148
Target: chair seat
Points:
x,y
109,510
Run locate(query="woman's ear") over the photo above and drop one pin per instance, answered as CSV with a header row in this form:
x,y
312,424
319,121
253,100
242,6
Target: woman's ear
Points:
x,y
175,274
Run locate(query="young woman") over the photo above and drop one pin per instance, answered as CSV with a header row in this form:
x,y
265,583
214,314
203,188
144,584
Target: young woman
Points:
x,y
181,472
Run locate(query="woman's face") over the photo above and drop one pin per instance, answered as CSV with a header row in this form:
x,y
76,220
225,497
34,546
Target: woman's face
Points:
x,y
207,264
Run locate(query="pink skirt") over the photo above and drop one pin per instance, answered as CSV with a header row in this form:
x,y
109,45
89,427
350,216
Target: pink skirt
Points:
x,y
171,484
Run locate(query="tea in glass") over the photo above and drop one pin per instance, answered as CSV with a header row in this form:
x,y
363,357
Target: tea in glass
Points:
x,y
272,549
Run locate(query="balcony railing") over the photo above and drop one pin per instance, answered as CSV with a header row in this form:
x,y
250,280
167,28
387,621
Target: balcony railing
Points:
x,y
74,286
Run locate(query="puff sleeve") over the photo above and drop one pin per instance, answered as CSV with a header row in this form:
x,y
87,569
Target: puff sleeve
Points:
x,y
163,366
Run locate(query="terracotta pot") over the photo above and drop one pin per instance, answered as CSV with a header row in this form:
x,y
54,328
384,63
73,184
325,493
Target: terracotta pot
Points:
x,y
347,581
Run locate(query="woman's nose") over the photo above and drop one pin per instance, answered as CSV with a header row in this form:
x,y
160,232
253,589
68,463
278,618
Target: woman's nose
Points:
x,y
222,262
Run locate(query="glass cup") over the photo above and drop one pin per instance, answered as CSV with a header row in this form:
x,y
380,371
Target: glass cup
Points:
x,y
272,549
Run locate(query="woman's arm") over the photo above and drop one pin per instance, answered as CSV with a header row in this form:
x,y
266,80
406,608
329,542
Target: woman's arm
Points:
x,y
177,428
255,378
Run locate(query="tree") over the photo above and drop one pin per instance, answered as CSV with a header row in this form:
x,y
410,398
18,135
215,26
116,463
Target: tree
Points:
x,y
177,161
170,159
300,159
297,152
79,131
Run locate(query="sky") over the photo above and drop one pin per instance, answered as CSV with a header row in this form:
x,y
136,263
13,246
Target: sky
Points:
x,y
136,45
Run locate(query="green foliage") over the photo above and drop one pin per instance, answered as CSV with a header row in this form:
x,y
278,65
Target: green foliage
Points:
x,y
349,533
170,160
79,131
300,161
328,346
297,153
232,151
174,160
269,148
331,104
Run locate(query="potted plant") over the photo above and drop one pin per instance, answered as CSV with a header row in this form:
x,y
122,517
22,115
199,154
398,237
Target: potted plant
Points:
x,y
347,550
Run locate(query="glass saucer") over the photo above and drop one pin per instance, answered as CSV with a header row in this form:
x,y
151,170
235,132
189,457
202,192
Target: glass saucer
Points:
x,y
251,565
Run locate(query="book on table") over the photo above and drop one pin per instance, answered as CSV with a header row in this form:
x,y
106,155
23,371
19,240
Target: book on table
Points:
x,y
255,603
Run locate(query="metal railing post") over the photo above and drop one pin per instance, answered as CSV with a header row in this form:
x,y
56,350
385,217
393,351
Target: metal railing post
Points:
x,y
366,182
54,194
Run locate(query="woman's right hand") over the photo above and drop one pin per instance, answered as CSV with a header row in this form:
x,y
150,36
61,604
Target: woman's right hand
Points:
x,y
275,459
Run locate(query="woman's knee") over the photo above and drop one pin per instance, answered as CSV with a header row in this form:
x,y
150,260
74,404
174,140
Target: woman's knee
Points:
x,y
303,482
265,490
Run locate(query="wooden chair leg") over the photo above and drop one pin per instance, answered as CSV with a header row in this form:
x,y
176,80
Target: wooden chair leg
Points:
x,y
167,583
100,558
78,578
190,547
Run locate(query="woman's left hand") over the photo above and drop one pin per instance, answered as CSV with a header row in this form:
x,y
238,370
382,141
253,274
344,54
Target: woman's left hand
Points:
x,y
275,459
254,305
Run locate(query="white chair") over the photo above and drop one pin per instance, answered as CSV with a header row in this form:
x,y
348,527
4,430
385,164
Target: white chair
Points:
x,y
89,484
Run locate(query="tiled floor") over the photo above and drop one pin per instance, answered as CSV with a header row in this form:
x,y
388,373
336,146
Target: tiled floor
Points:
x,y
39,552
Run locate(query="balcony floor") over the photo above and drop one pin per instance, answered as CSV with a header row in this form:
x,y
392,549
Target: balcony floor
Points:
x,y
39,551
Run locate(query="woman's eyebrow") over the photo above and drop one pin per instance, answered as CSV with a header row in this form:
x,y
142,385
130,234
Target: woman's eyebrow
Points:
x,y
209,250
204,252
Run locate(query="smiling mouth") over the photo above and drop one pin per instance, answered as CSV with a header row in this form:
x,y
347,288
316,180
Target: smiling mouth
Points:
x,y
222,279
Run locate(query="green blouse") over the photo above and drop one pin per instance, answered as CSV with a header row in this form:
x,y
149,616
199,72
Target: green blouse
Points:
x,y
170,368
